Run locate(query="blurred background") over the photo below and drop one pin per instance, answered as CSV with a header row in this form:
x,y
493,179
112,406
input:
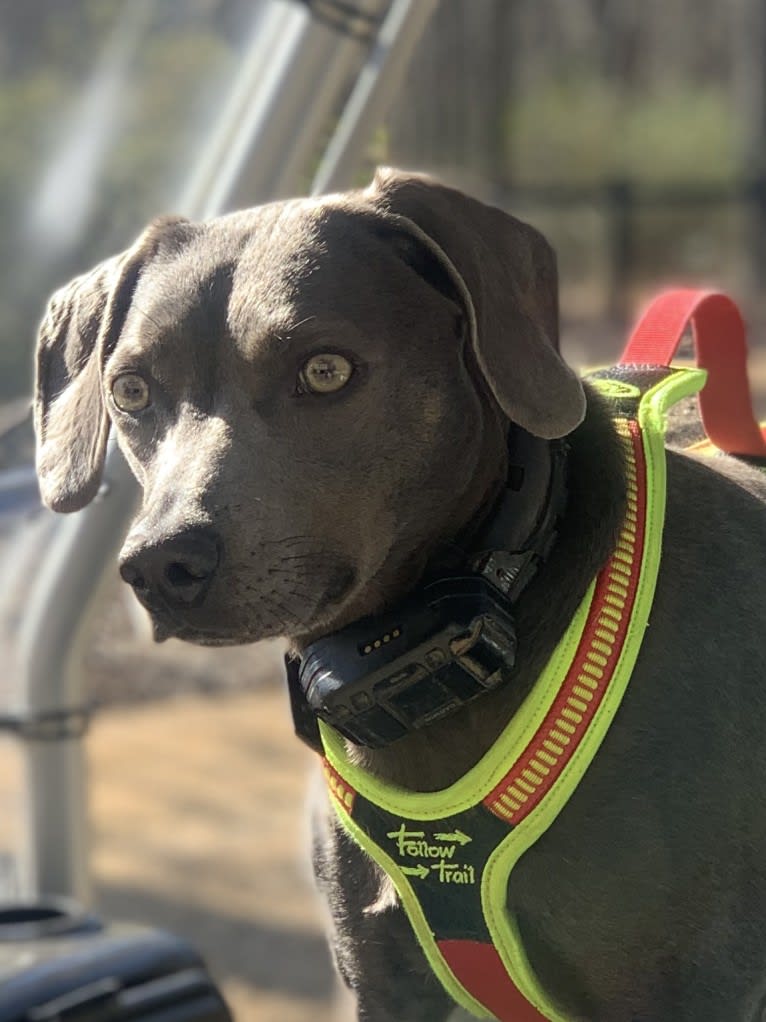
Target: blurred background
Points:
x,y
633,135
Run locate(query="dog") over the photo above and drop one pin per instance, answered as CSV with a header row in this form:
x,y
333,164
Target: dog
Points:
x,y
315,397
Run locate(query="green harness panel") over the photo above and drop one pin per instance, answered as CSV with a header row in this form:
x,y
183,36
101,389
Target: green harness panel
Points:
x,y
450,853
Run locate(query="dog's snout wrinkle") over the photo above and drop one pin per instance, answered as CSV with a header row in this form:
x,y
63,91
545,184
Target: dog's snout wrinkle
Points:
x,y
177,571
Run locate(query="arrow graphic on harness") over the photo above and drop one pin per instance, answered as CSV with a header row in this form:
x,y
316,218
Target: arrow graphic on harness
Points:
x,y
457,837
420,870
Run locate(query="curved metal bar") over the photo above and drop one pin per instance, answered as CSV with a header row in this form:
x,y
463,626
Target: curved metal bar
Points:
x,y
373,92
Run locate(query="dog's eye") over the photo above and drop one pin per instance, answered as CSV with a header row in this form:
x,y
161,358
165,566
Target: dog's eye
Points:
x,y
130,392
323,374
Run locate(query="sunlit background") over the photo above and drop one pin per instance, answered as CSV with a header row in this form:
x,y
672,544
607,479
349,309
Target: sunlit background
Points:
x,y
633,135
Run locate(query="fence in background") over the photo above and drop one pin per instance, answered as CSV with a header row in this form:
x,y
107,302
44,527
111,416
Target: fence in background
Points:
x,y
689,211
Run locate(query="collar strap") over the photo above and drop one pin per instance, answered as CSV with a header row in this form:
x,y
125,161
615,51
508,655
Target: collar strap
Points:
x,y
512,571
446,644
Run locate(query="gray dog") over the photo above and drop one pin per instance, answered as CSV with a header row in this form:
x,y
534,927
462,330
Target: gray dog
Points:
x,y
315,397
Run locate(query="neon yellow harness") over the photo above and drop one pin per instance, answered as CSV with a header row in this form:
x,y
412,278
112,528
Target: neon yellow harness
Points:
x,y
450,852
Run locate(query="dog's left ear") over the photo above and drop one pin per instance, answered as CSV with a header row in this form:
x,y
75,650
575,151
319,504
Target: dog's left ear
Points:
x,y
507,273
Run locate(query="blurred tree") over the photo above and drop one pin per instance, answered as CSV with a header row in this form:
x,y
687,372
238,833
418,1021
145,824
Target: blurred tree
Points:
x,y
600,104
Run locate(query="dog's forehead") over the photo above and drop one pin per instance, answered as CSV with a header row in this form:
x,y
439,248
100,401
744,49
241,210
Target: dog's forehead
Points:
x,y
305,260
255,274
259,244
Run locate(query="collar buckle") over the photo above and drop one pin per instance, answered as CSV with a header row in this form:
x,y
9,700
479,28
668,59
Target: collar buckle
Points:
x,y
508,572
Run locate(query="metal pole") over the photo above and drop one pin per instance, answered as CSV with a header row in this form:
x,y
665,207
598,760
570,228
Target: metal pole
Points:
x,y
277,113
290,84
375,89
71,576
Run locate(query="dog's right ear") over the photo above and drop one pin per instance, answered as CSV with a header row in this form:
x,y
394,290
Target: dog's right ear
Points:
x,y
81,326
506,272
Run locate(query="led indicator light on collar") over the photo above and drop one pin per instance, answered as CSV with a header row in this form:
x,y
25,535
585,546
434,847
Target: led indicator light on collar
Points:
x,y
368,647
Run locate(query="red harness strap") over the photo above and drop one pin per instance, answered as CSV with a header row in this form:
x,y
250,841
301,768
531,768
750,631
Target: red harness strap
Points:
x,y
719,340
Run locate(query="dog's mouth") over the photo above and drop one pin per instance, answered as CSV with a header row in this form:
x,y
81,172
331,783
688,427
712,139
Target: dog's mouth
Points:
x,y
290,610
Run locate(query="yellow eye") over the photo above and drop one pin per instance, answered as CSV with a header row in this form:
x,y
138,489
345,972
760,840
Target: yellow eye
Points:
x,y
130,392
323,374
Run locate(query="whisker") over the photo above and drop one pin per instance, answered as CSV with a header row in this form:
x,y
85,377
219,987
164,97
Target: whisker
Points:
x,y
307,556
287,616
303,322
145,314
289,572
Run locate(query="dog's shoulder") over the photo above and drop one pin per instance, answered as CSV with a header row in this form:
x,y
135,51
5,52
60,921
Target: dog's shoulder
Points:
x,y
710,601
746,475
718,491
686,436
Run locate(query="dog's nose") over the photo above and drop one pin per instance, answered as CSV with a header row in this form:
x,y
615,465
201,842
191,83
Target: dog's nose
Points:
x,y
179,569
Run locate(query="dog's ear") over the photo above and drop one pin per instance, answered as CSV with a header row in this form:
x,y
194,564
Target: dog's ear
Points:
x,y
79,331
506,273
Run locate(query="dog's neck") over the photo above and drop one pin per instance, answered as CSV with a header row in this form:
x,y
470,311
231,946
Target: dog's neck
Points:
x,y
441,753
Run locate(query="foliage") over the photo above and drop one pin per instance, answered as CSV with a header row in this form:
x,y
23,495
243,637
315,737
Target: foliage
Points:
x,y
582,130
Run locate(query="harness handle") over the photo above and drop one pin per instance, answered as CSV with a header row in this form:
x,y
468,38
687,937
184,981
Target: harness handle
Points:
x,y
726,406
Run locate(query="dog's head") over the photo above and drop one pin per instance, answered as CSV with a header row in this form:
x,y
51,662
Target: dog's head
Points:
x,y
312,394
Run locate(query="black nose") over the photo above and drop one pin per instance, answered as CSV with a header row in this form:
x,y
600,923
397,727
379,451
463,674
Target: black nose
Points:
x,y
179,570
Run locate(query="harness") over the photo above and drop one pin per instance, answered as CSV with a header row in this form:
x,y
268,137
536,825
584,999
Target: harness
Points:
x,y
450,853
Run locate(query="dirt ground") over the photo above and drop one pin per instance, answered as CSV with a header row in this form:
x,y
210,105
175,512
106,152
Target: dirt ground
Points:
x,y
198,827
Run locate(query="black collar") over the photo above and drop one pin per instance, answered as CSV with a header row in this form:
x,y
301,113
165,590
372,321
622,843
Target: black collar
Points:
x,y
454,636
516,528
523,527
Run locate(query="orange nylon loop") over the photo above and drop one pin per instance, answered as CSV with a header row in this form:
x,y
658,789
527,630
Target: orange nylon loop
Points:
x,y
726,405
